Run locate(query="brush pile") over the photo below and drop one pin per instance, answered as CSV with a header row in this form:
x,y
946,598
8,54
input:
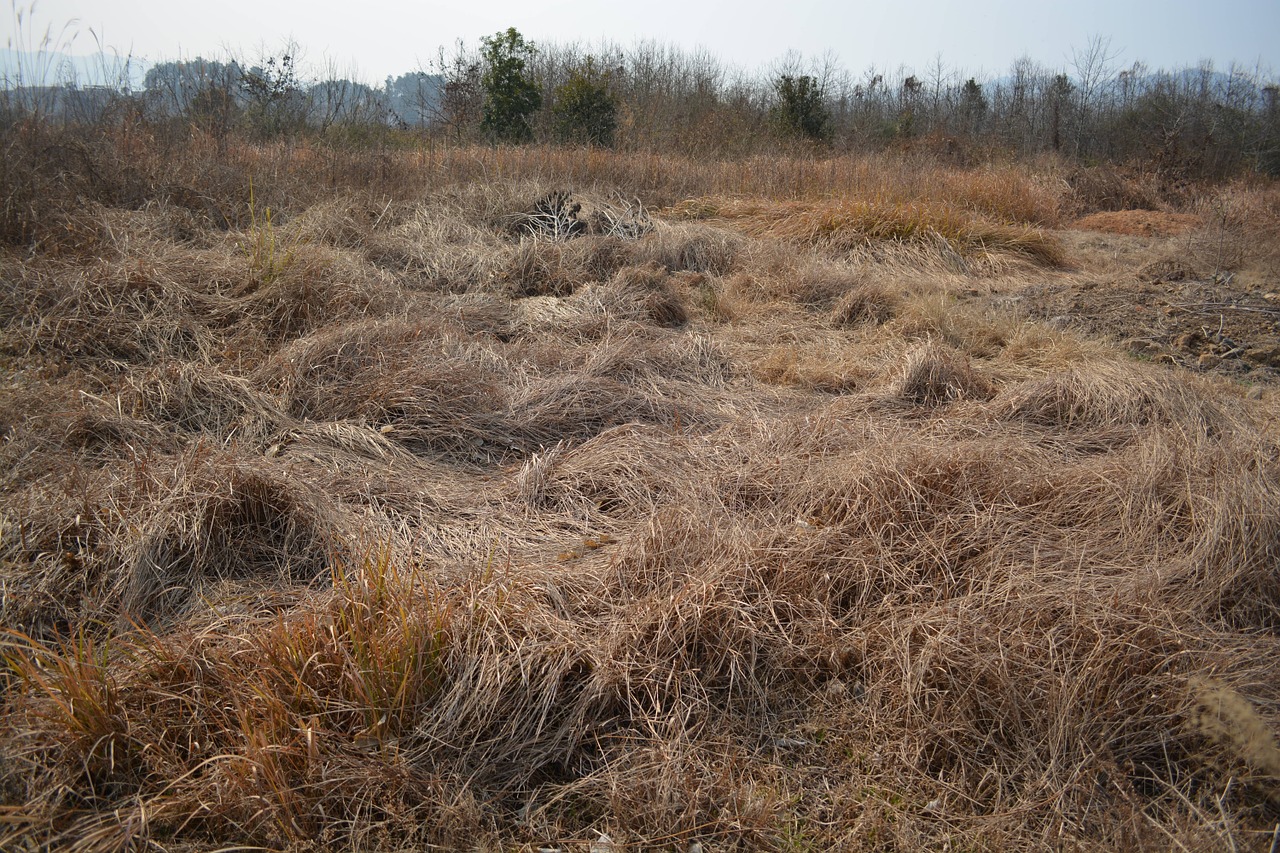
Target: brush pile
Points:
x,y
390,523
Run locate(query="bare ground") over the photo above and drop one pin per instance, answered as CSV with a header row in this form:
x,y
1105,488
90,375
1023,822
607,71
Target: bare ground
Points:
x,y
1181,300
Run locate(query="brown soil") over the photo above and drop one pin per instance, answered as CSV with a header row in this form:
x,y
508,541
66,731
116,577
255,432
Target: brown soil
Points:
x,y
1146,223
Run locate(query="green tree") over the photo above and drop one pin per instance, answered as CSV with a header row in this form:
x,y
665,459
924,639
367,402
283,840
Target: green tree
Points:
x,y
585,110
510,96
800,110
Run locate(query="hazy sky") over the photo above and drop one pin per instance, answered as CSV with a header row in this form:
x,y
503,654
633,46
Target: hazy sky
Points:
x,y
381,37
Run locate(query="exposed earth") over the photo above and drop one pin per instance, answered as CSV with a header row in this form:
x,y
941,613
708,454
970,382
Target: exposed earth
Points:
x,y
1168,294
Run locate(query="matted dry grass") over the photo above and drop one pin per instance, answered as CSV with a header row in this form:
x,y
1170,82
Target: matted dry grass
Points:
x,y
847,226
380,526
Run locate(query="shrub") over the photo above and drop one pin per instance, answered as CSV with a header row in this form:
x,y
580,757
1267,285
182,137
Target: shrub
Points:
x,y
276,104
585,110
800,111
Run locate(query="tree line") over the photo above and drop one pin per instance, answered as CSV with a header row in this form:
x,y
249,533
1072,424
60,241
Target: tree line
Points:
x,y
1196,121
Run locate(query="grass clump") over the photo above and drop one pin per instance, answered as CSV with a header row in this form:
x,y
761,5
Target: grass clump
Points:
x,y
864,303
934,374
645,293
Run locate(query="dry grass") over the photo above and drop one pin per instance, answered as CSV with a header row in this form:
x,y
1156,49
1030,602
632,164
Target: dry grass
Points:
x,y
380,526
932,375
847,227
864,303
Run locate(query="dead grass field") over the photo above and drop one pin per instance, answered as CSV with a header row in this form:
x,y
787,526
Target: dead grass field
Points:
x,y
355,502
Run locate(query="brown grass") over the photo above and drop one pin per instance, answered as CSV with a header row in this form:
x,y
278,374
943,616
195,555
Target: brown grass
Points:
x,y
933,374
380,526
645,294
850,226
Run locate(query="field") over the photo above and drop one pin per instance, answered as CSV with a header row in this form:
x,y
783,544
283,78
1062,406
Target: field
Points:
x,y
505,498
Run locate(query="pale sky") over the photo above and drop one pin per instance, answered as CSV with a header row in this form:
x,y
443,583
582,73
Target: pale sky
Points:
x,y
376,38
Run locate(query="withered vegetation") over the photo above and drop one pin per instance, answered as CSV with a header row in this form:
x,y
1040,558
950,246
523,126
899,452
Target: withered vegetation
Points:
x,y
415,515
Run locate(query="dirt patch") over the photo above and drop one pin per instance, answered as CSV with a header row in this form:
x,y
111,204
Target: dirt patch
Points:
x,y
1138,223
1170,310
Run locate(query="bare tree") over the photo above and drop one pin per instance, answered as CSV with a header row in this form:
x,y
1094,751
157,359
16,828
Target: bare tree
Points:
x,y
461,102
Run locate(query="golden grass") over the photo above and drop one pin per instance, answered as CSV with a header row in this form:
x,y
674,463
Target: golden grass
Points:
x,y
730,532
848,226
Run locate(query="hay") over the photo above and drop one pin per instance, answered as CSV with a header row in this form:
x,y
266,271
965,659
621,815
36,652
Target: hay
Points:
x,y
692,248
320,376
203,402
1100,397
104,315
575,408
849,227
625,470
864,303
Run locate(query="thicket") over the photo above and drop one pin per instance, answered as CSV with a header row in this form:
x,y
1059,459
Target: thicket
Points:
x,y
1188,123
